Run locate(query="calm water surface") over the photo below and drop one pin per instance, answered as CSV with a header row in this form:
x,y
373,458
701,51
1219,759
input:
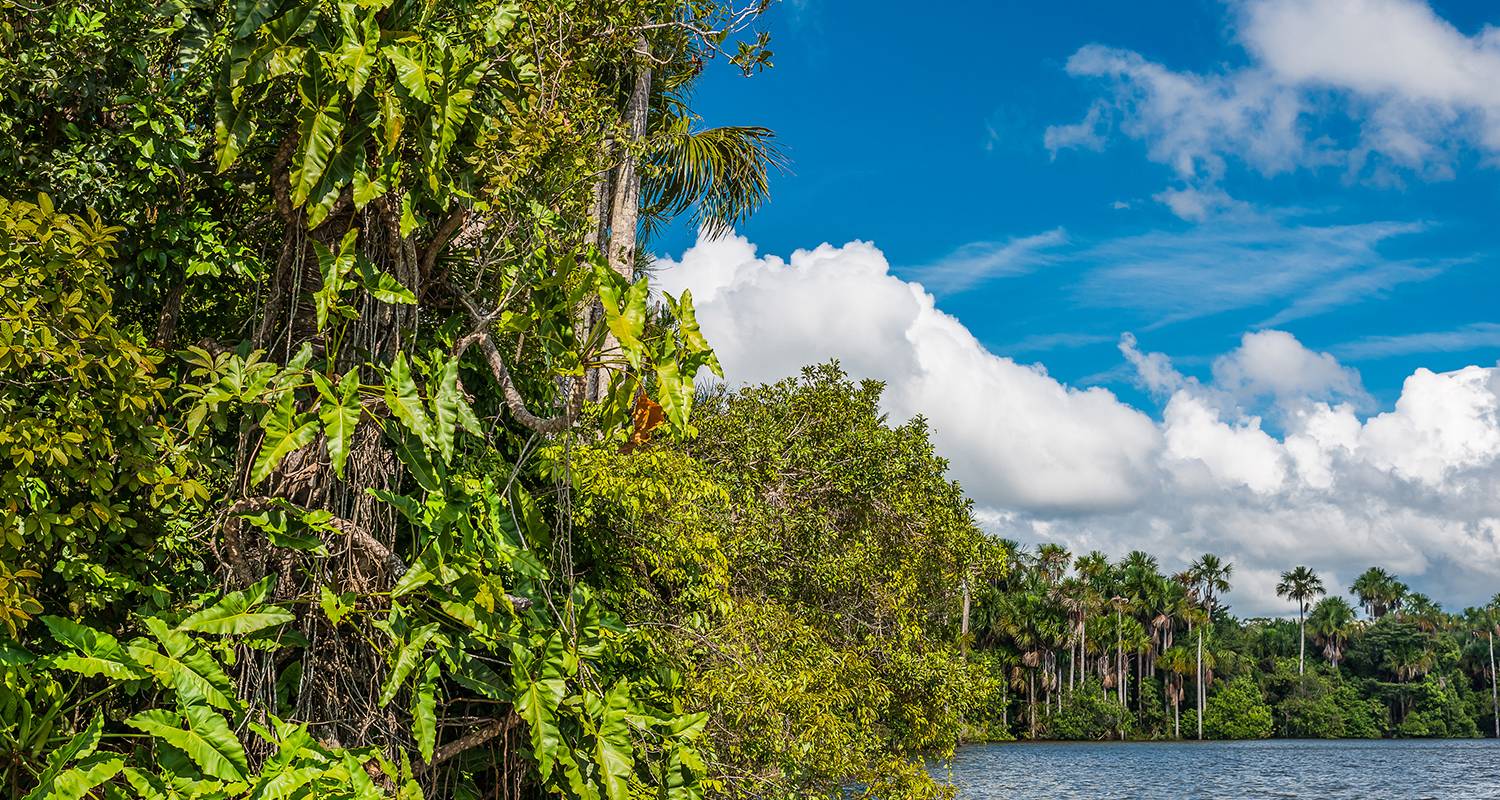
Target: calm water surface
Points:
x,y
1278,768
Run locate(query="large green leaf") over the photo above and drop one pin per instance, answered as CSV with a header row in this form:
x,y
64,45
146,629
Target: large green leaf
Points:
x,y
184,666
79,747
411,70
202,734
91,652
695,343
320,123
612,749
539,687
333,266
449,410
360,783
424,710
407,658
624,313
238,613
80,781
284,435
340,416
405,402
383,287
674,390
233,127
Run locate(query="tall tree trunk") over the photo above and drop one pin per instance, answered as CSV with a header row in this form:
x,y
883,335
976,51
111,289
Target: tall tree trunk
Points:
x,y
1200,683
625,204
963,628
1301,637
1031,703
1494,689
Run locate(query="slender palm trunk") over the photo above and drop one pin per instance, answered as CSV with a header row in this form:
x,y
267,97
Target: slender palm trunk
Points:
x,y
1494,689
1301,637
625,204
963,628
1031,703
1200,683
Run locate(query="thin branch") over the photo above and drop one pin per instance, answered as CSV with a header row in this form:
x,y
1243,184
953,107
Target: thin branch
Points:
x,y
472,739
513,399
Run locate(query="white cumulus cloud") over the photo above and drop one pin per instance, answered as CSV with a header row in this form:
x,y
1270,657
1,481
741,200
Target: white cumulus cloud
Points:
x,y
1420,93
1414,488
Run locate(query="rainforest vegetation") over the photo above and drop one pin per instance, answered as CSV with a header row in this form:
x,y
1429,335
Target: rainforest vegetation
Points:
x,y
1095,649
347,452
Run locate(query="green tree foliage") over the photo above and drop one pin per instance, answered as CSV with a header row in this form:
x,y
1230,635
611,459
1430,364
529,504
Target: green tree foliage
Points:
x,y
1237,711
1045,629
802,558
89,471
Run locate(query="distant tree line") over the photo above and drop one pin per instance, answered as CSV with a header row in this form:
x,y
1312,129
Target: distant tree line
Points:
x,y
1093,649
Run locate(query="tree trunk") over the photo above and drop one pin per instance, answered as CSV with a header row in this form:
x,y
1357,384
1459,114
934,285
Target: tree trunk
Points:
x,y
964,624
1494,689
1301,638
625,206
1200,683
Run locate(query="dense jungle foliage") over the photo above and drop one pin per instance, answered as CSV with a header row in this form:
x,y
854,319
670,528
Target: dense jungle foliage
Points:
x,y
1097,650
346,451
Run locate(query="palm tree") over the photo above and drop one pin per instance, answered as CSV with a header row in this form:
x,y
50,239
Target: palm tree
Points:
x,y
1379,592
1176,663
1485,622
1300,584
1331,620
1211,575
1423,612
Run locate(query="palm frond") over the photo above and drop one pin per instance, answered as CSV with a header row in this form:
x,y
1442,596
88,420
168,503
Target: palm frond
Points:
x,y
721,175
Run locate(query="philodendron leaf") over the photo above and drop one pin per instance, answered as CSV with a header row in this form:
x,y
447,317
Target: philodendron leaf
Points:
x,y
612,751
334,266
283,436
383,287
450,409
675,391
340,416
320,122
180,664
202,734
79,747
238,613
424,710
404,401
80,781
91,652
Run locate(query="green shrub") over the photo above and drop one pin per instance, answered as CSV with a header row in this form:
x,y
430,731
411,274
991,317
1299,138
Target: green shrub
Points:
x,y
84,462
1237,711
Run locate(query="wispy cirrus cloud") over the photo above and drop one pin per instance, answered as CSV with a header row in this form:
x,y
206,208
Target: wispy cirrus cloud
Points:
x,y
974,263
1047,342
1284,262
1469,337
1244,262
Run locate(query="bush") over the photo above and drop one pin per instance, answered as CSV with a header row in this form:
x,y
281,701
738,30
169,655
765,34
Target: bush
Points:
x,y
1237,711
83,457
1089,713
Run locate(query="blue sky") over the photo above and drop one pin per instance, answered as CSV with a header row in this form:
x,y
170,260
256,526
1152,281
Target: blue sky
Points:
x,y
924,133
1185,277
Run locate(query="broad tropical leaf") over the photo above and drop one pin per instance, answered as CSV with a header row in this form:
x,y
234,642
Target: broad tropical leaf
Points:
x,y
283,435
238,613
92,652
202,734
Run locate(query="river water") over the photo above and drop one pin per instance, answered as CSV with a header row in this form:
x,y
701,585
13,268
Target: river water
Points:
x,y
1385,769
